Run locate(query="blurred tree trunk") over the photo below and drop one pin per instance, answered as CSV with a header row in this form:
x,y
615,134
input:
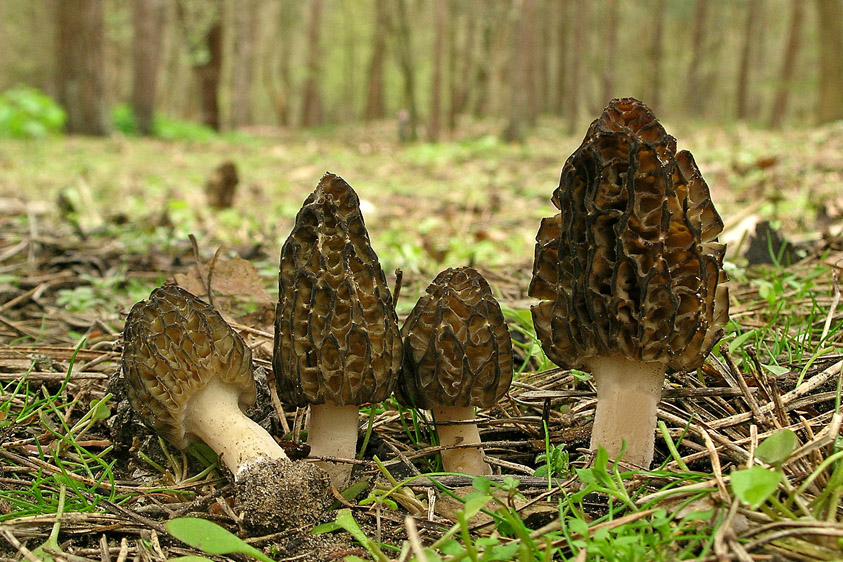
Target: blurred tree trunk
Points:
x,y
245,23
206,54
529,59
779,109
375,106
408,69
830,18
434,125
288,16
148,22
579,38
484,64
694,99
465,81
453,80
520,74
80,71
752,16
657,56
562,12
311,112
611,43
545,21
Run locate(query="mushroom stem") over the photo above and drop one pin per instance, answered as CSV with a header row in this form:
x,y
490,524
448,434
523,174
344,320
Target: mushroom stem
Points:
x,y
215,417
333,433
628,394
467,460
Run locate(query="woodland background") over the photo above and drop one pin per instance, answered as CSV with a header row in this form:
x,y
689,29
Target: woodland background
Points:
x,y
249,63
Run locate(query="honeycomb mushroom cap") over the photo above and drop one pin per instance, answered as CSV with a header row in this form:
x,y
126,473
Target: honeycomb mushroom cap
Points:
x,y
457,348
336,330
174,343
630,265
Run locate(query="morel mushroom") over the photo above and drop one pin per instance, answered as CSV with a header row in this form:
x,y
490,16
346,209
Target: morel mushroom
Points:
x,y
337,342
457,356
189,376
630,271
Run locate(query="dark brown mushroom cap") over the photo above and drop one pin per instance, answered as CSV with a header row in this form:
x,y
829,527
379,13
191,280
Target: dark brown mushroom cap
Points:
x,y
174,343
457,348
631,264
336,330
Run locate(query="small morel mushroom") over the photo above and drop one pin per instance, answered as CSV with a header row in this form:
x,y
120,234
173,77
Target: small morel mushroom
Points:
x,y
457,356
630,271
337,342
189,376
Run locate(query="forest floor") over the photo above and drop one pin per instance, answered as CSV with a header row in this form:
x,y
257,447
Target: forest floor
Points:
x,y
90,226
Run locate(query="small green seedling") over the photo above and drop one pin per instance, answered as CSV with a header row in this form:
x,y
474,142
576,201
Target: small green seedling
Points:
x,y
211,538
754,485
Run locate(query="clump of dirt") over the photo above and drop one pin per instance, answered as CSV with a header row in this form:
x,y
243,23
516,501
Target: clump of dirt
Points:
x,y
277,494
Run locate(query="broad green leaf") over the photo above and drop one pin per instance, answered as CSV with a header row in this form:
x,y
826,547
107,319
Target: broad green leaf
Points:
x,y
482,484
755,484
211,538
190,558
776,448
474,505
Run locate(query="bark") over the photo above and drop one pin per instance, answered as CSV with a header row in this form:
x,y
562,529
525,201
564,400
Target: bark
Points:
x,y
435,122
746,54
148,22
80,70
657,56
311,113
529,60
830,18
483,74
695,97
465,80
797,16
288,16
375,105
611,43
245,24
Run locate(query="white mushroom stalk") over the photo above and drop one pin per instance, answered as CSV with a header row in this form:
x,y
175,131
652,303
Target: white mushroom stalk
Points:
x,y
213,415
465,460
628,394
333,433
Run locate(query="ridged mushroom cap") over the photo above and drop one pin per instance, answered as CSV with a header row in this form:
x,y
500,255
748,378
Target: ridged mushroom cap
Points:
x,y
457,348
173,344
336,330
631,265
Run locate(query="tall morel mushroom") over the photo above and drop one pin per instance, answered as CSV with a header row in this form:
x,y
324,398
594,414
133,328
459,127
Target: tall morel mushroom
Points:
x,y
457,356
337,342
189,376
630,271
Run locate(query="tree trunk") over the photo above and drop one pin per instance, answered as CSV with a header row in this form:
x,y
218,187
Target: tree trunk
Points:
x,y
779,109
311,113
519,71
245,23
206,55
695,96
746,53
408,69
611,43
483,75
435,122
80,71
529,60
465,80
147,21
657,56
453,79
562,10
579,44
830,103
375,106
